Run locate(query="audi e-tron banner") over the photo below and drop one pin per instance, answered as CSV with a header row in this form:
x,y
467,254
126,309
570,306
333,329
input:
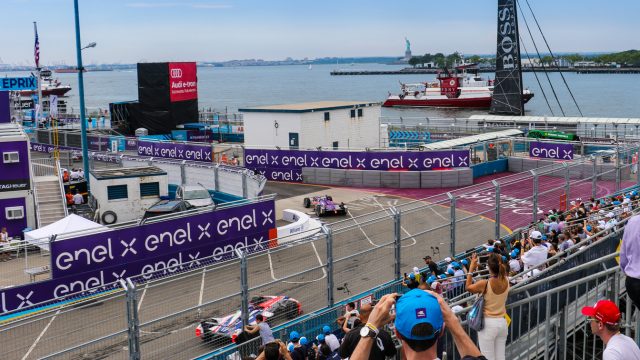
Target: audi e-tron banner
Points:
x,y
183,81
287,164
507,91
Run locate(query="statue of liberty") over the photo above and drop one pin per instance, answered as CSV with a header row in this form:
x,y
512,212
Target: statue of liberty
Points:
x,y
408,45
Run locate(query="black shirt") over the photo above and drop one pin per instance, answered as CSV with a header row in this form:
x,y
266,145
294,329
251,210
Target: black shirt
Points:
x,y
433,267
383,340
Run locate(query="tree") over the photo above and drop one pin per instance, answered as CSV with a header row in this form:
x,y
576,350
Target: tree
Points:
x,y
452,59
475,59
547,59
415,60
439,59
426,58
573,58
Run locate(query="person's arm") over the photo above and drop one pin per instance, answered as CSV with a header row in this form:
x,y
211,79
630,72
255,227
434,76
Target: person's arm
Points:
x,y
379,317
251,329
284,353
469,285
345,324
464,344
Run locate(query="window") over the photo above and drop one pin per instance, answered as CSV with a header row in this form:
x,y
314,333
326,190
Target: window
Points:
x,y
359,112
326,116
116,192
150,189
10,157
335,145
14,212
353,113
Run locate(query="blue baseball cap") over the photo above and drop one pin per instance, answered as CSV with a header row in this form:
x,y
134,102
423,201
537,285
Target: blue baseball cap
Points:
x,y
514,254
418,307
465,262
326,330
290,347
294,336
451,272
455,264
442,276
431,279
544,237
588,227
320,338
412,276
517,251
303,341
490,249
504,258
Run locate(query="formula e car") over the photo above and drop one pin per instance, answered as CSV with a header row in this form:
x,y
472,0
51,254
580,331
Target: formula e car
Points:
x,y
224,330
324,206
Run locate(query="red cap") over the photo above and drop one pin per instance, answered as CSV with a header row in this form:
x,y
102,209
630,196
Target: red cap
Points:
x,y
605,311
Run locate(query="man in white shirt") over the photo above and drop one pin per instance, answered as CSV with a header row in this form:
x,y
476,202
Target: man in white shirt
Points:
x,y
537,255
78,199
330,339
604,319
75,175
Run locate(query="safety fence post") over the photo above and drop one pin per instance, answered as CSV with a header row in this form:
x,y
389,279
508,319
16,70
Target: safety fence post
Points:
x,y
244,286
328,232
484,151
535,196
183,172
452,226
636,167
496,215
567,181
133,322
594,180
245,188
617,167
397,240
216,177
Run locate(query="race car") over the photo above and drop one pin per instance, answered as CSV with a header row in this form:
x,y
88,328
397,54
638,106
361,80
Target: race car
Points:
x,y
324,205
224,330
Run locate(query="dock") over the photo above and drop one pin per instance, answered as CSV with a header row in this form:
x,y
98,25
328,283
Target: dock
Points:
x,y
412,71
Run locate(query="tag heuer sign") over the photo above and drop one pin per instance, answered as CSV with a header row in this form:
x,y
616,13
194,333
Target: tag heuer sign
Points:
x,y
45,73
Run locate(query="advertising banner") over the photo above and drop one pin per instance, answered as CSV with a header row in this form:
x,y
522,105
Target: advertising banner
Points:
x,y
14,172
16,84
551,151
183,81
287,164
175,151
5,107
86,262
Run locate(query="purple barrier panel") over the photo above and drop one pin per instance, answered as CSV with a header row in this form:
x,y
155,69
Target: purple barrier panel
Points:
x,y
215,230
202,136
551,151
131,144
5,107
175,151
97,143
15,175
19,297
287,164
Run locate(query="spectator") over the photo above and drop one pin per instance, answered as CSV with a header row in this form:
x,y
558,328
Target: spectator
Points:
x,y
421,318
410,281
351,316
275,351
261,326
69,198
75,175
537,255
565,243
493,337
81,173
604,320
433,267
299,352
330,338
514,263
78,199
630,258
4,241
384,346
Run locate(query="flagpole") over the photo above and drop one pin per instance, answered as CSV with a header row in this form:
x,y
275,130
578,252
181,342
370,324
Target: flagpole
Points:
x,y
37,61
83,125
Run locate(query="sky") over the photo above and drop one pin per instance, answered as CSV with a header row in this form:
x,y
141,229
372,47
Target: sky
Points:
x,y
130,31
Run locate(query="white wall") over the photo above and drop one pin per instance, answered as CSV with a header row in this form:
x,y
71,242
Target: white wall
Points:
x,y
259,129
313,131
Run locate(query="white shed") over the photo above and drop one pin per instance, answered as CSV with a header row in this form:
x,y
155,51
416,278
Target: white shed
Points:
x,y
332,124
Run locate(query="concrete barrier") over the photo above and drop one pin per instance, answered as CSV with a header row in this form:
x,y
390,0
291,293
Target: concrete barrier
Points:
x,y
302,226
389,179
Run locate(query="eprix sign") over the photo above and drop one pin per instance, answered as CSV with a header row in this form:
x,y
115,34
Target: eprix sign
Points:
x,y
21,83
551,151
146,251
287,165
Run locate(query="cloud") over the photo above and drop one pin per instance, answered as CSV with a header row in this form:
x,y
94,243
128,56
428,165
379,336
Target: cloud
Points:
x,y
155,5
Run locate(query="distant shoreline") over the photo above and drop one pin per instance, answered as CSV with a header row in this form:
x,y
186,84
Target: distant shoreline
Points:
x,y
412,71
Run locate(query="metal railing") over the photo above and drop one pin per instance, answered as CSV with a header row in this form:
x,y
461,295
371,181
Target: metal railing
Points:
x,y
350,256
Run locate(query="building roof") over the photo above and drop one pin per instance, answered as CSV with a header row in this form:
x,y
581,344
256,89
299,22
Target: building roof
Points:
x,y
310,106
468,140
120,173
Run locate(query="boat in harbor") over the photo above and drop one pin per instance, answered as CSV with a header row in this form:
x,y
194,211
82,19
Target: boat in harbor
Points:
x,y
463,88
50,86
67,70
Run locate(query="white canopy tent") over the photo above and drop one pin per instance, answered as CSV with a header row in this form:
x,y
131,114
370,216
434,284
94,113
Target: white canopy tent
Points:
x,y
71,226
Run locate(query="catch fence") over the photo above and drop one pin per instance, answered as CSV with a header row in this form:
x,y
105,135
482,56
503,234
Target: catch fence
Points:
x,y
347,257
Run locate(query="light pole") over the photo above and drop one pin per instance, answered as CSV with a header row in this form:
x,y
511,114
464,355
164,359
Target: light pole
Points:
x,y
83,125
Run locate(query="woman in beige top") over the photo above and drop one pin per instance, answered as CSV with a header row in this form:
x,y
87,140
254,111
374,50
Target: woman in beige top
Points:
x,y
492,338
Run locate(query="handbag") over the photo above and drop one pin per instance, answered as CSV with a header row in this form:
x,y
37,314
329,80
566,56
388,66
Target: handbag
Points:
x,y
476,315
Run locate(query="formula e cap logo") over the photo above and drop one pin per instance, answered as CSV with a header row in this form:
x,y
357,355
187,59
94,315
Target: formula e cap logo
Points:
x,y
176,73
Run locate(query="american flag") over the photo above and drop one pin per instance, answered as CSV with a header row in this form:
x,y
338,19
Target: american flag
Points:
x,y
36,48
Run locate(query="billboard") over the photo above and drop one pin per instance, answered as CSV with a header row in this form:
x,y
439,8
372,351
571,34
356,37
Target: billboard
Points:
x,y
286,165
16,84
175,151
555,151
183,81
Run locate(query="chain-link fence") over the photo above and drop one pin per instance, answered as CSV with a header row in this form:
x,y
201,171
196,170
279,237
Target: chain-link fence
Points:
x,y
197,309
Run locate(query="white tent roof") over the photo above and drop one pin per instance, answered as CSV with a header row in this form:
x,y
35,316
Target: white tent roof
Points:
x,y
71,226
